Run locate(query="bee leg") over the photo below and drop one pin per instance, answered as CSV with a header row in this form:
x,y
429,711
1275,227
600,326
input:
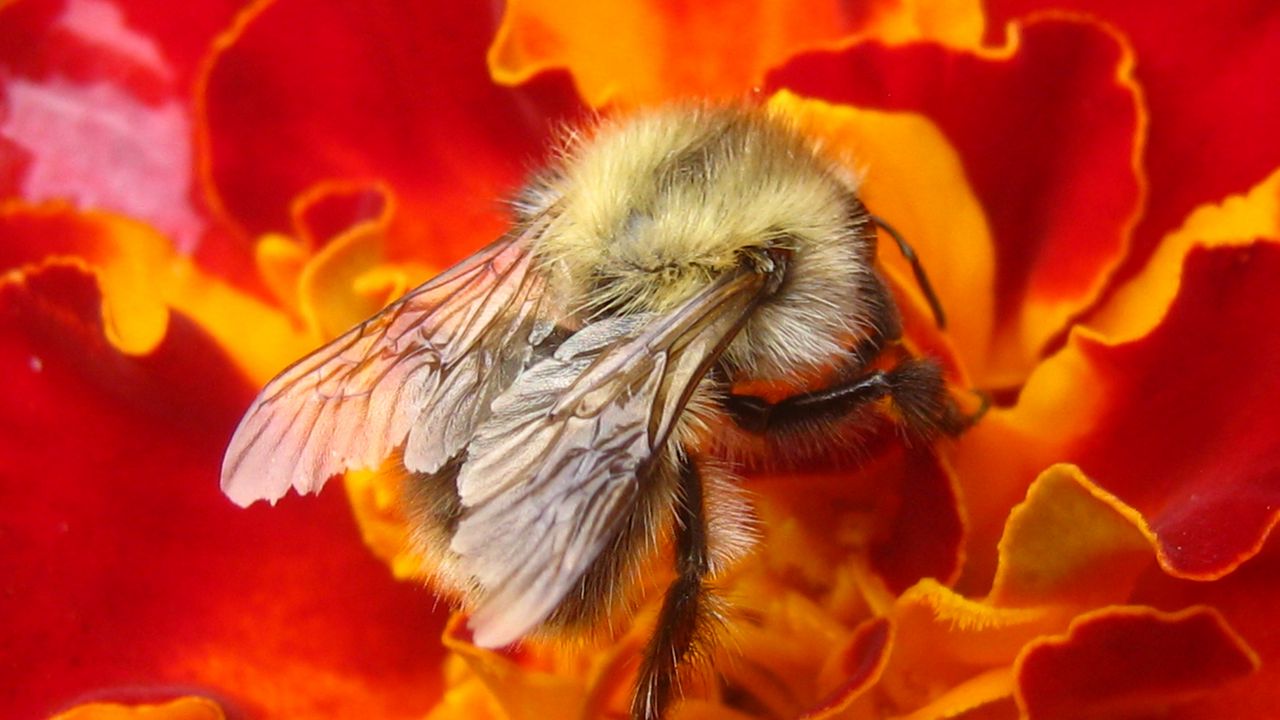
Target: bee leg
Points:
x,y
914,386
682,622
922,280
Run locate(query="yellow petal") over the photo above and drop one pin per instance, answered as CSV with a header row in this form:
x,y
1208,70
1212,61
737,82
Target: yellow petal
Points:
x,y
988,688
640,51
327,286
1071,543
521,692
142,278
280,260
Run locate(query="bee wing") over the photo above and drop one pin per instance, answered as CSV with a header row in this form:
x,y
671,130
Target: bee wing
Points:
x,y
555,470
419,373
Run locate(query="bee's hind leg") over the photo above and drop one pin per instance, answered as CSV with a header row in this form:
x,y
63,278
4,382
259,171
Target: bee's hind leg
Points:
x,y
684,621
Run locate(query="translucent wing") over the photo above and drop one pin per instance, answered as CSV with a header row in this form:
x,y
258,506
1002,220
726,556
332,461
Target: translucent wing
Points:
x,y
420,373
552,474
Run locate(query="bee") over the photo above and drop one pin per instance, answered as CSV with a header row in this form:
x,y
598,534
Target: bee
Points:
x,y
556,402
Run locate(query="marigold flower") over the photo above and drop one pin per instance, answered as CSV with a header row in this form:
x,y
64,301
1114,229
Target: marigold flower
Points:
x,y
194,197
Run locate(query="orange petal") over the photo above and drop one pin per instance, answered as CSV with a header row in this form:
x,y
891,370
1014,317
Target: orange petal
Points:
x,y
126,257
466,699
793,654
327,285
945,640
349,277
641,51
1129,662
1068,547
900,512
187,708
378,510
523,694
280,260
334,271
985,696
544,680
1049,130
798,639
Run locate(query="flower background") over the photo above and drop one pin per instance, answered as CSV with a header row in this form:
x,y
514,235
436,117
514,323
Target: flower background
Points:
x,y
194,196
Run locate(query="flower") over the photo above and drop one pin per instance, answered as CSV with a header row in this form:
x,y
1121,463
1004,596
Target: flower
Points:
x,y
194,199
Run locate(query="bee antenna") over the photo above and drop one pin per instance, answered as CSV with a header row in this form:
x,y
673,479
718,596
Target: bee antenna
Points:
x,y
921,279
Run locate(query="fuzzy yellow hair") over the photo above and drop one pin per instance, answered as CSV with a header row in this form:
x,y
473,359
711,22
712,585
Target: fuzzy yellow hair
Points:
x,y
646,210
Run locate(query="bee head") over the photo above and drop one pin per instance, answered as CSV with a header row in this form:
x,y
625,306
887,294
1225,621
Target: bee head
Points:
x,y
647,210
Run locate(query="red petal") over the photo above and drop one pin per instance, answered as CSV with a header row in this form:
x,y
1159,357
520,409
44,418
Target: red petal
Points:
x,y
182,31
94,105
905,501
1127,663
926,534
1152,399
1178,424
1247,599
302,93
1048,131
1207,73
1189,434
863,661
128,573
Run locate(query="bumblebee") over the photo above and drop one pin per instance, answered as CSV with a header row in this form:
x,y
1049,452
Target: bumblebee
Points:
x,y
556,402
